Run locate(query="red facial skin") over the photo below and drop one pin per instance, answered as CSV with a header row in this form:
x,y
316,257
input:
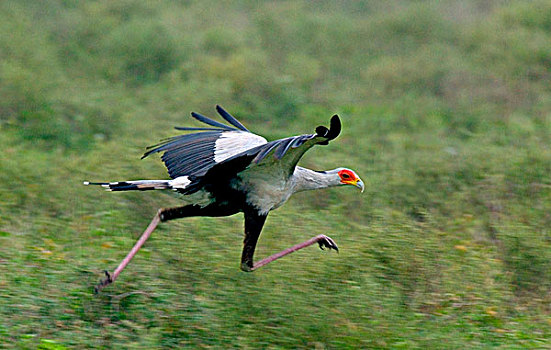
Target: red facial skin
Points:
x,y
347,176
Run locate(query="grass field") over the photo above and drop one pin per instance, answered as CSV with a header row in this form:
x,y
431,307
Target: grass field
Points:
x,y
446,110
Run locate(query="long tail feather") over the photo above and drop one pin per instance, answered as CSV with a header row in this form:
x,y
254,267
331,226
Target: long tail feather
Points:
x,y
141,185
179,183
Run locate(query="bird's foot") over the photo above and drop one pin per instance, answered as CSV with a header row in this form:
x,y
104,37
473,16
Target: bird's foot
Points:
x,y
105,282
327,242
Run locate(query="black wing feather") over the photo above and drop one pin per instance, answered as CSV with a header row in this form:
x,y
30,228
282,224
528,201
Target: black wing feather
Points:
x,y
209,121
181,141
334,128
230,118
186,128
188,154
193,154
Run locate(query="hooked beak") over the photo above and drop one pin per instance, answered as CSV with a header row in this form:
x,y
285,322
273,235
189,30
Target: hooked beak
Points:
x,y
357,182
360,185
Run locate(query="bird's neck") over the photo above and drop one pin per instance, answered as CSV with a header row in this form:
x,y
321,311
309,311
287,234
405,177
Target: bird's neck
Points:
x,y
306,179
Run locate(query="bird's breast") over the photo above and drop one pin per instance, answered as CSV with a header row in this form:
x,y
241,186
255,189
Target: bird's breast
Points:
x,y
265,192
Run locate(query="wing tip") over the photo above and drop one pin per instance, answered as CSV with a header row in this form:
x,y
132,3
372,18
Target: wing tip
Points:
x,y
332,132
322,131
335,127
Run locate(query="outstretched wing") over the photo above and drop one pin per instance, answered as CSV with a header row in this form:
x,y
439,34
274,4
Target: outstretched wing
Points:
x,y
194,154
285,153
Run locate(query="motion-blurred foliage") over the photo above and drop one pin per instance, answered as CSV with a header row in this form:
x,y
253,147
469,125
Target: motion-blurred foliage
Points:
x,y
447,118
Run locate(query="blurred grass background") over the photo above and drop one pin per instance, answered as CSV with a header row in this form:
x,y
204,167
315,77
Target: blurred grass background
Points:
x,y
446,108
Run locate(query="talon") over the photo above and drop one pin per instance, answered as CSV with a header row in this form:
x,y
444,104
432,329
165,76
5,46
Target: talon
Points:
x,y
108,275
327,242
102,283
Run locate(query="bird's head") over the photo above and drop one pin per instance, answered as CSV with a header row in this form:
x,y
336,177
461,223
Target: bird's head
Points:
x,y
346,176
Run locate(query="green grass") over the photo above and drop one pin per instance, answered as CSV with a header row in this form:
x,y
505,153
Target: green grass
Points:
x,y
447,118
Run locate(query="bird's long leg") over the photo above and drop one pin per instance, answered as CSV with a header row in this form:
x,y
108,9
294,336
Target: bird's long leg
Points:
x,y
110,278
253,226
161,216
323,241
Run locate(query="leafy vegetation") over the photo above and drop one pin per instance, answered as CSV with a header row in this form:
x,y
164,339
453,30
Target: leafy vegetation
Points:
x,y
447,117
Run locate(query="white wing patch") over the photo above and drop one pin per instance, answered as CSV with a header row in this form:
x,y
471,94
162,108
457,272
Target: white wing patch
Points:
x,y
180,182
231,143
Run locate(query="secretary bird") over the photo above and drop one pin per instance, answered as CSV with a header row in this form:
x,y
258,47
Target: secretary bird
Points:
x,y
222,170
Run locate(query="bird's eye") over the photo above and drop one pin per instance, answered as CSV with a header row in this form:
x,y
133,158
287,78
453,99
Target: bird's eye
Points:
x,y
345,176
